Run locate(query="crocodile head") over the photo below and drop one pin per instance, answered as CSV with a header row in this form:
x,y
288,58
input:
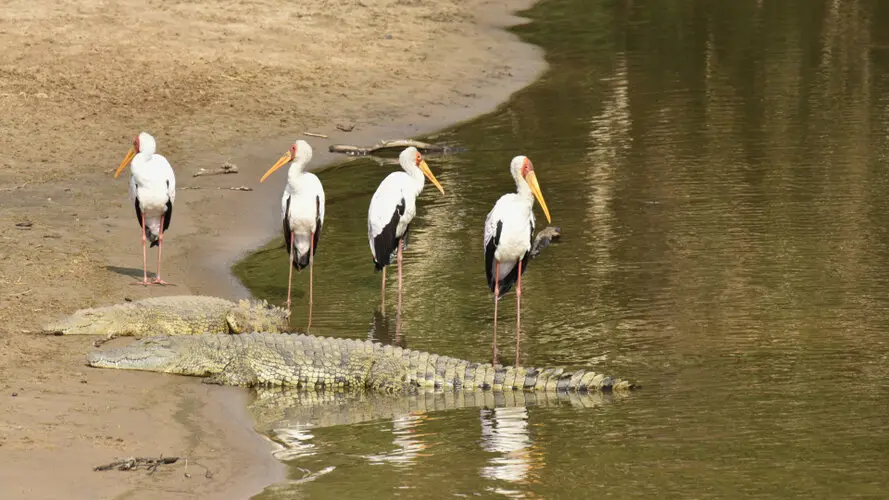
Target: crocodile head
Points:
x,y
84,322
179,355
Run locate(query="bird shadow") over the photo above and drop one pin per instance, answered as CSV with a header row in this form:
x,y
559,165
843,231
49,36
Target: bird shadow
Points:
x,y
131,272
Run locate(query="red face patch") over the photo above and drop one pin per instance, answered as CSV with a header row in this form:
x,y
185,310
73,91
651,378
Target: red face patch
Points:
x,y
136,143
418,159
527,167
293,151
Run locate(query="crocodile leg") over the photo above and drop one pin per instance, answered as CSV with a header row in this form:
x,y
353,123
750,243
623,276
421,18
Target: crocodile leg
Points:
x,y
518,313
160,249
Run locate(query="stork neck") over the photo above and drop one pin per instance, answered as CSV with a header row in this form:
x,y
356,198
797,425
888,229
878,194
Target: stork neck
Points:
x,y
417,177
524,191
296,170
141,158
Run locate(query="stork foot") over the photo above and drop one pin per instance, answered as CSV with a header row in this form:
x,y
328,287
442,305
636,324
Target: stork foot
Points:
x,y
158,281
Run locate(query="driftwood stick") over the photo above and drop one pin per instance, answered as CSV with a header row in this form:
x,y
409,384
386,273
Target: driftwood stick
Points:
x,y
544,237
384,146
232,188
313,134
226,168
133,463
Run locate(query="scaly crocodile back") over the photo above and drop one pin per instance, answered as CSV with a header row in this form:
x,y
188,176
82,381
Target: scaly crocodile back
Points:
x,y
172,315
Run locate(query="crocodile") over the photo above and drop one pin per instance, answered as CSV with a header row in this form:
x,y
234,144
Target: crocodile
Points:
x,y
313,363
173,315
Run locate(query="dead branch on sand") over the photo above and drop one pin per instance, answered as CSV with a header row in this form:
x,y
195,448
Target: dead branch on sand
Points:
x,y
134,463
232,188
384,146
226,168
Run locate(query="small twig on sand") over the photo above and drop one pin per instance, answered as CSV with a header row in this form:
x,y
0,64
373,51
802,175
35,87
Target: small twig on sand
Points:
x,y
20,186
313,134
18,294
226,168
233,188
134,463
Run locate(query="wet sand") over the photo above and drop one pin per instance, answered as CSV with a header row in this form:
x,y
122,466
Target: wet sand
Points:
x,y
223,82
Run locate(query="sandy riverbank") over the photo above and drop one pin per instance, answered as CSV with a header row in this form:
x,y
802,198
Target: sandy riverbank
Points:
x,y
212,81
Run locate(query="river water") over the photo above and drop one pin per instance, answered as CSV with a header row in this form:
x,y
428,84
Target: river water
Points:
x,y
719,173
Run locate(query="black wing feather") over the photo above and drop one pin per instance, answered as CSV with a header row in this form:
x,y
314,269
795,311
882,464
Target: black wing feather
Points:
x,y
386,242
168,215
510,279
288,235
318,224
490,248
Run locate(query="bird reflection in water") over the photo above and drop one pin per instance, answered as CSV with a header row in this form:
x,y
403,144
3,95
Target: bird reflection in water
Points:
x,y
383,331
294,441
505,432
408,441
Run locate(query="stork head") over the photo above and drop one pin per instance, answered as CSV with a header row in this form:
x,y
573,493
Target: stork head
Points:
x,y
142,143
523,171
411,159
300,154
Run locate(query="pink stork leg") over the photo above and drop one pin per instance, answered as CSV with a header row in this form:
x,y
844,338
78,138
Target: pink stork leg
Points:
x,y
144,254
160,249
518,313
496,296
400,242
311,266
290,274
383,294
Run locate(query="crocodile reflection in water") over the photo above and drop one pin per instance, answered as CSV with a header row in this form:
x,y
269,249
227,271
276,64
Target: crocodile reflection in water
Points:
x,y
290,418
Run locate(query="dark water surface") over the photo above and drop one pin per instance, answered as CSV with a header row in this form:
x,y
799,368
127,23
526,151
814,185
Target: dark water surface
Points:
x,y
719,171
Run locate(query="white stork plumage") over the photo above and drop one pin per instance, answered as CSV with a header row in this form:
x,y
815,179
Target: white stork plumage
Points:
x,y
391,211
302,212
153,191
509,231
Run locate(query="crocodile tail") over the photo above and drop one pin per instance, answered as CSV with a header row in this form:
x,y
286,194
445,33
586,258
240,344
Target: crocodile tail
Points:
x,y
557,380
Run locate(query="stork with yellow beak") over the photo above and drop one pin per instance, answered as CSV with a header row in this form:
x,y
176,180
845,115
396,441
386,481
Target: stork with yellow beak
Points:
x,y
153,191
509,233
391,211
302,212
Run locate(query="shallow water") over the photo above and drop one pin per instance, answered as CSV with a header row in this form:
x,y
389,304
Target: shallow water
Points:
x,y
718,170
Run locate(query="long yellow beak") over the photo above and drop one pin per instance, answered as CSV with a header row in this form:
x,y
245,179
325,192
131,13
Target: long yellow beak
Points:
x,y
531,178
126,161
428,173
284,160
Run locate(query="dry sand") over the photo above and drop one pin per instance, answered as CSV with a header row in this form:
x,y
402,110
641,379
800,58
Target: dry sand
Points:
x,y
212,81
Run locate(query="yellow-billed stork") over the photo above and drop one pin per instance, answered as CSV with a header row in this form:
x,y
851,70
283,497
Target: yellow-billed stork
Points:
x,y
302,212
391,211
509,233
153,191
